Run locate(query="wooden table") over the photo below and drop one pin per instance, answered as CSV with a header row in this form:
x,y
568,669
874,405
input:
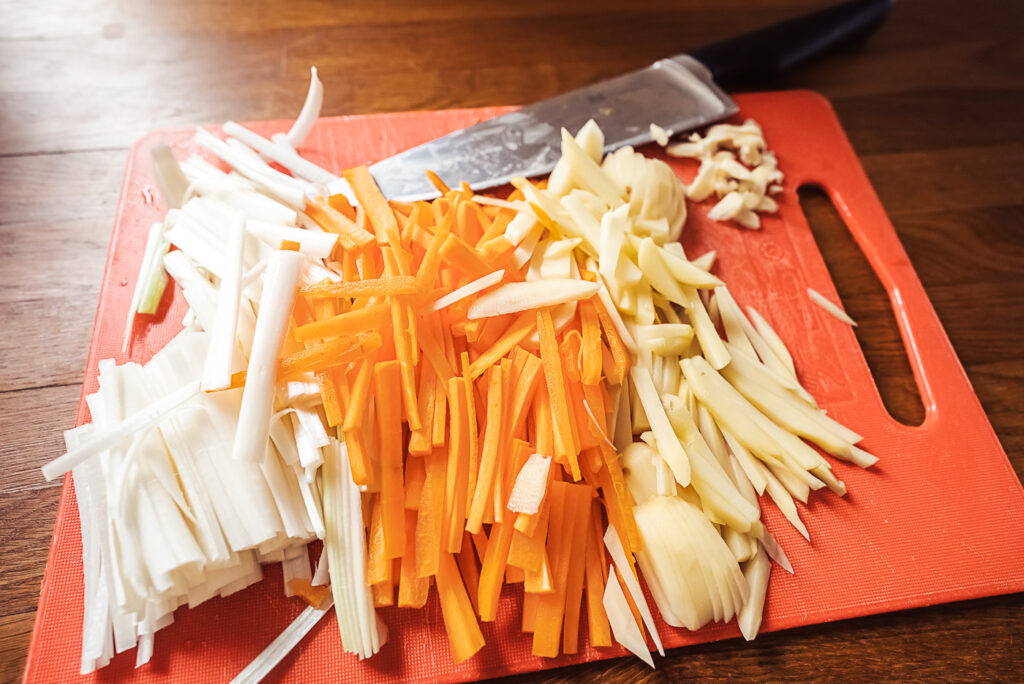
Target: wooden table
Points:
x,y
932,104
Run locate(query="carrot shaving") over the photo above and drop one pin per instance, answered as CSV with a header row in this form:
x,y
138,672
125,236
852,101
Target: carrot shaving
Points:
x,y
372,287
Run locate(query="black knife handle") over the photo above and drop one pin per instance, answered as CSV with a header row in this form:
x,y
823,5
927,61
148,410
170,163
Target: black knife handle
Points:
x,y
764,53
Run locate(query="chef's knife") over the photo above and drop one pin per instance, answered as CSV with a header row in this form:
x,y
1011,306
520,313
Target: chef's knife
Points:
x,y
678,93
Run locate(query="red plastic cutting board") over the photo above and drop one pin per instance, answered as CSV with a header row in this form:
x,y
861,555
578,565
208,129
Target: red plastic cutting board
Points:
x,y
940,518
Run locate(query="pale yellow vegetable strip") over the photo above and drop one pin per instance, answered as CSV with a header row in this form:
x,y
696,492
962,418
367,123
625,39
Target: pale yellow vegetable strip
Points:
x,y
668,444
772,338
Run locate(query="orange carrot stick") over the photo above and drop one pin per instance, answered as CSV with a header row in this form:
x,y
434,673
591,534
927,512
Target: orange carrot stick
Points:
x,y
463,257
458,461
350,235
378,565
372,287
620,354
387,389
362,472
577,566
464,636
412,589
547,627
356,409
415,477
357,320
493,570
596,578
590,351
473,437
489,454
564,445
330,354
419,440
373,202
516,333
430,516
470,569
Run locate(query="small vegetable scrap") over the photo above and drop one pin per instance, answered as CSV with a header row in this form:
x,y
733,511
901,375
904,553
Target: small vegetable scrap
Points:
x,y
737,167
455,396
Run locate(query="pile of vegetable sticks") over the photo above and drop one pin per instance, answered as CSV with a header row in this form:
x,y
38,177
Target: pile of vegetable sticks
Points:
x,y
440,412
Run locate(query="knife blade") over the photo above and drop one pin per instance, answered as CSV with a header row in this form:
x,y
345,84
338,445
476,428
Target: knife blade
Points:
x,y
677,93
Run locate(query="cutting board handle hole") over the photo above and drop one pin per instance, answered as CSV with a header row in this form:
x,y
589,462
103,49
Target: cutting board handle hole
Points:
x,y
867,302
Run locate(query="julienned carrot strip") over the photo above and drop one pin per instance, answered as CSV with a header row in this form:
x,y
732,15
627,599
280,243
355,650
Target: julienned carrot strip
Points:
x,y
415,476
514,575
387,390
545,437
530,602
493,570
463,257
412,590
489,453
464,636
620,354
440,411
426,274
547,627
371,287
467,222
378,565
492,328
436,181
458,462
362,473
379,213
340,203
330,354
356,409
470,570
370,317
569,351
516,333
525,389
328,381
508,458
496,253
383,593
420,440
596,578
590,351
577,566
617,497
472,436
430,339
430,516
527,551
350,235
539,581
565,447
403,345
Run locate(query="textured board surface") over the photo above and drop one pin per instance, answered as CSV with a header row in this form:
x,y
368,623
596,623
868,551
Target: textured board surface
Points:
x,y
938,519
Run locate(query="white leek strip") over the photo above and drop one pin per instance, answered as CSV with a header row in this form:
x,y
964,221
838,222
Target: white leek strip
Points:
x,y
516,297
620,618
195,240
152,279
276,183
468,289
756,572
828,306
614,545
266,661
321,576
310,112
109,438
223,338
256,205
285,157
668,444
254,273
271,325
530,485
318,245
169,176
218,184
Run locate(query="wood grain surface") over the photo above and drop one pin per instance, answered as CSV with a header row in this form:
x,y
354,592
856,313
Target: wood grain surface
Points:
x,y
932,103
